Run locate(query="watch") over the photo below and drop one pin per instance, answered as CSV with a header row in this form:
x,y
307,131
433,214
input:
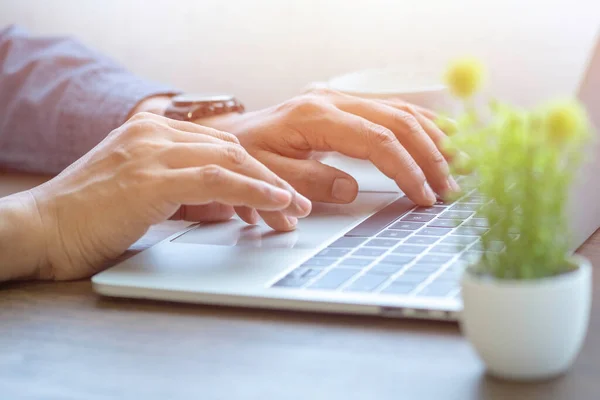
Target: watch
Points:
x,y
190,107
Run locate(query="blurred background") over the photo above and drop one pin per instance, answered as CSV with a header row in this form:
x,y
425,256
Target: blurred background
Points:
x,y
265,51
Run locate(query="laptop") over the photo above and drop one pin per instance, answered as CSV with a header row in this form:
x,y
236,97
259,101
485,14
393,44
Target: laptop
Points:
x,y
380,255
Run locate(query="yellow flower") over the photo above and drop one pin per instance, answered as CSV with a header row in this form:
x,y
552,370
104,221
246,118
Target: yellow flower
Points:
x,y
464,77
565,121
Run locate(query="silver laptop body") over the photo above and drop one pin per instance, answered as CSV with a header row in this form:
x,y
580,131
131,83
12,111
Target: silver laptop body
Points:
x,y
379,255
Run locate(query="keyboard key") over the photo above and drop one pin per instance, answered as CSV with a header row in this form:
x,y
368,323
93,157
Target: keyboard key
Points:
x,y
429,210
297,278
348,242
449,276
311,272
422,240
443,223
385,269
414,278
465,207
333,253
382,243
433,231
369,252
474,199
442,203
381,219
437,290
398,259
408,249
418,217
389,233
355,262
494,246
471,256
470,231
477,222
333,279
319,262
460,215
455,239
366,283
407,226
399,288
447,249
428,268
435,259
477,246
456,267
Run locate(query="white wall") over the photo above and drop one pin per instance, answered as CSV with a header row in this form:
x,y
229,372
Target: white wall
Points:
x,y
267,50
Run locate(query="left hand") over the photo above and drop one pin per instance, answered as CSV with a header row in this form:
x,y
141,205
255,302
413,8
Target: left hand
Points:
x,y
399,138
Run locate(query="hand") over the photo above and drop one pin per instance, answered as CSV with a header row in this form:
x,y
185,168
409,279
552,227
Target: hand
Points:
x,y
400,139
141,174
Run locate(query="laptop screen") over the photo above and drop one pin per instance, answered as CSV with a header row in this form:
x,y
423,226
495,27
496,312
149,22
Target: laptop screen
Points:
x,y
584,208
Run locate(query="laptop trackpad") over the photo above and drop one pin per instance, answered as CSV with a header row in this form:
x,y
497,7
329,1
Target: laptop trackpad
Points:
x,y
325,222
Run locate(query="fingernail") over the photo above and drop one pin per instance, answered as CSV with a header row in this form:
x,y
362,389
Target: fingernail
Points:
x,y
343,190
428,193
453,185
304,204
292,220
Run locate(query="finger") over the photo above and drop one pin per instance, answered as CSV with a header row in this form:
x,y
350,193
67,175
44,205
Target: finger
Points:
x,y
212,212
236,159
203,135
279,220
431,120
411,134
355,136
187,130
247,214
410,108
212,183
313,179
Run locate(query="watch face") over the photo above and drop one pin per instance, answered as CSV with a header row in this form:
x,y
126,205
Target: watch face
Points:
x,y
191,98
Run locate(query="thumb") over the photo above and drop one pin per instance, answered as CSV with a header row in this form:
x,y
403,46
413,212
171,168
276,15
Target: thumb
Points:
x,y
313,179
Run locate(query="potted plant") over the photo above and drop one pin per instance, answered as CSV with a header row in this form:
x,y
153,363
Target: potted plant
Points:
x,y
526,299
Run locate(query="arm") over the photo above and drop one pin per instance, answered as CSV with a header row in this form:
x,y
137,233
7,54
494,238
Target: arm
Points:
x,y
59,99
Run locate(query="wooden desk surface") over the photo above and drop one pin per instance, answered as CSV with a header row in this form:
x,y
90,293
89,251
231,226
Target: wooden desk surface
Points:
x,y
61,341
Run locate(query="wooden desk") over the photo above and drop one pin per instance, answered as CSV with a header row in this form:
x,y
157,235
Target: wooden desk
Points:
x,y
61,341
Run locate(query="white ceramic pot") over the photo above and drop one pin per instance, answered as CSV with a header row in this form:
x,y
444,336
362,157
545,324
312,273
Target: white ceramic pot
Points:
x,y
528,330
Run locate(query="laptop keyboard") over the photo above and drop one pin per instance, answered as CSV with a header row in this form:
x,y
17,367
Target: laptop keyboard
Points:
x,y
400,250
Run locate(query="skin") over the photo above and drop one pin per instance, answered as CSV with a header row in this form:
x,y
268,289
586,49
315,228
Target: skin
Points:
x,y
266,166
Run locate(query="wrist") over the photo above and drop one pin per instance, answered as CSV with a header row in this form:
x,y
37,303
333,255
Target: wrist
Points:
x,y
22,242
233,122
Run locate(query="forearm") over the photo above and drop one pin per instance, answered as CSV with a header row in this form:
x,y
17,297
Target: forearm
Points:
x,y
58,99
22,245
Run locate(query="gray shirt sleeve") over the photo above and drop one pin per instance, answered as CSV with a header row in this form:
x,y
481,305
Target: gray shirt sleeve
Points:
x,y
58,99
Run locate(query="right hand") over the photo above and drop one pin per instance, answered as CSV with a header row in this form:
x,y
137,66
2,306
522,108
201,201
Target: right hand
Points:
x,y
143,173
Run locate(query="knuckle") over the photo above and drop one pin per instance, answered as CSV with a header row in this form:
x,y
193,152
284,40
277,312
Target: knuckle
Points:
x,y
141,116
142,128
413,168
211,175
228,137
236,154
303,106
408,121
437,158
380,135
324,92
